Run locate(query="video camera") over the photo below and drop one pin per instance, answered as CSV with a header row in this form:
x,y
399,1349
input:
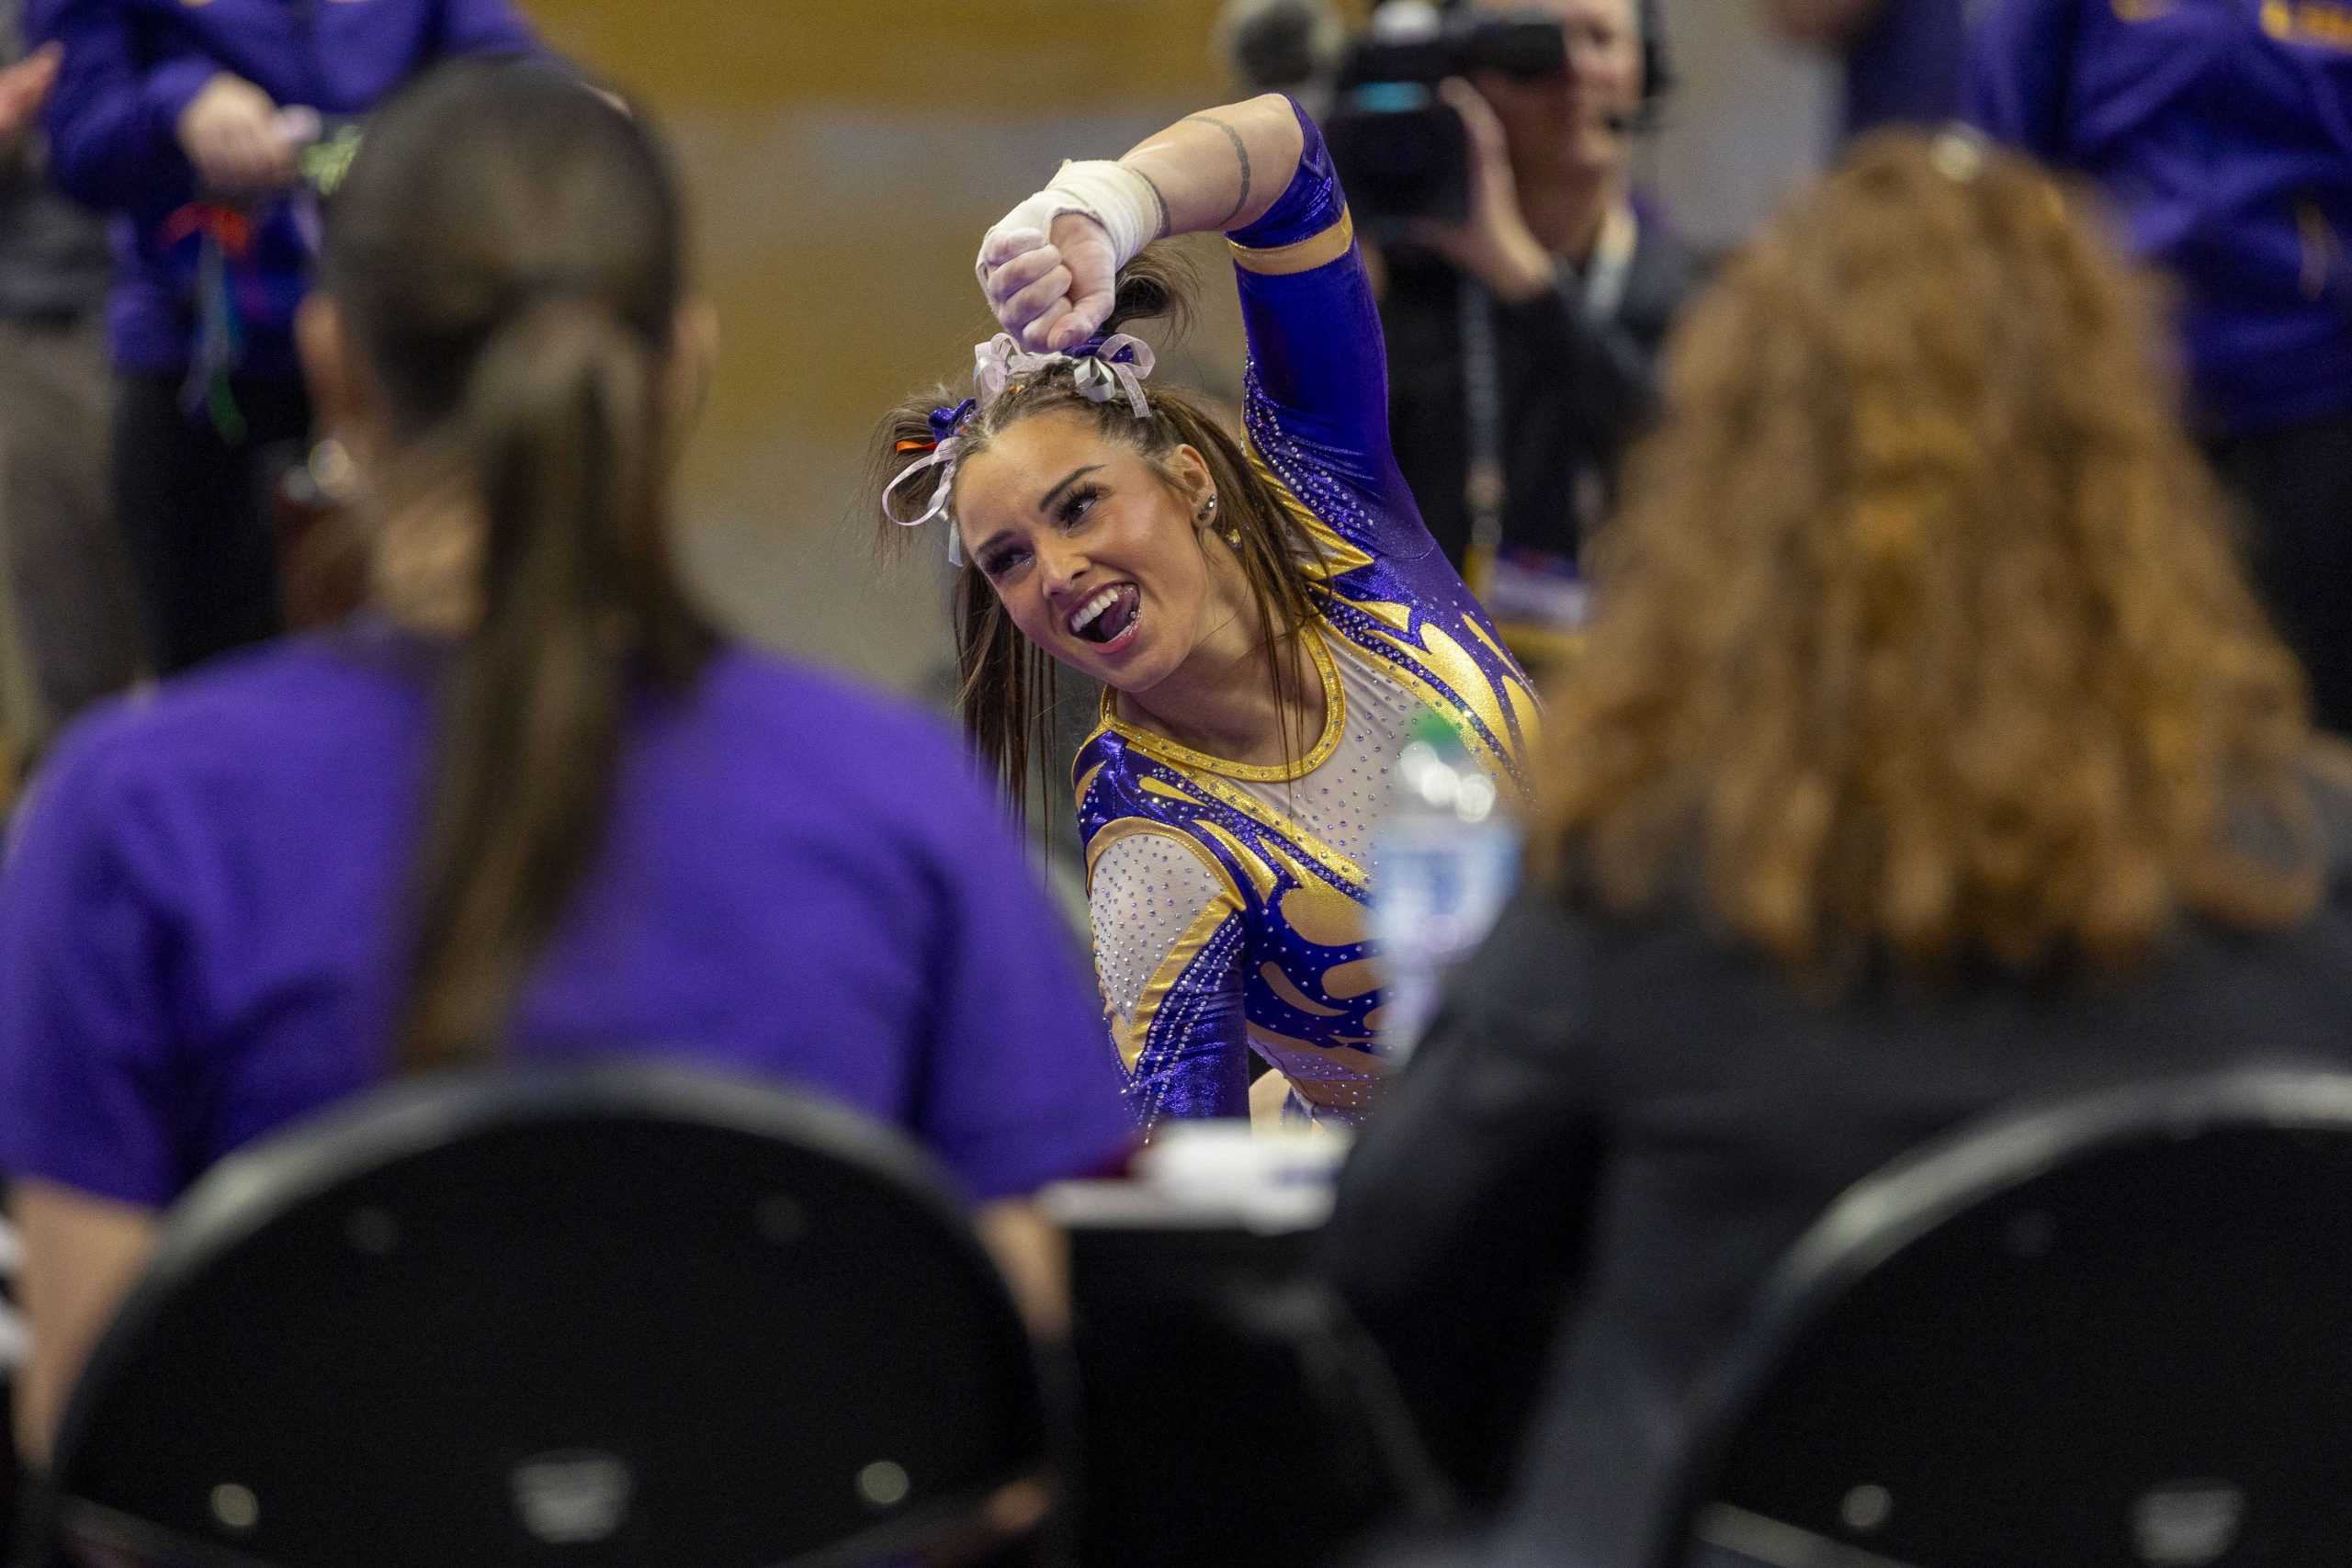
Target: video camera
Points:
x,y
1402,151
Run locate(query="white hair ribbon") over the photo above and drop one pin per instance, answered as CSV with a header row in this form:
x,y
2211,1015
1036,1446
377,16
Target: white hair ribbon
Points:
x,y
1112,367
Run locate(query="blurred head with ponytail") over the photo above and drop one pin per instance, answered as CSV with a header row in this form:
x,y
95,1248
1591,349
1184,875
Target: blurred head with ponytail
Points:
x,y
502,339
1135,548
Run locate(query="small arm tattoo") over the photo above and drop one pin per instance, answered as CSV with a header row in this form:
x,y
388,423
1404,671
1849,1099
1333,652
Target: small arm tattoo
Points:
x,y
1166,223
1240,151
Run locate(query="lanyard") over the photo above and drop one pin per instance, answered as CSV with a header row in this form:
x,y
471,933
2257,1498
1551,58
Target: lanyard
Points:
x,y
1606,280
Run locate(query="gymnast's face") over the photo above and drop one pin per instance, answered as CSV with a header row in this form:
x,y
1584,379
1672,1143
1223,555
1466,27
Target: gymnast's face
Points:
x,y
1099,558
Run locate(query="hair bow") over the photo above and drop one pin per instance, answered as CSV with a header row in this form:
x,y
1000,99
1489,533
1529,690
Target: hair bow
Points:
x,y
1104,368
946,442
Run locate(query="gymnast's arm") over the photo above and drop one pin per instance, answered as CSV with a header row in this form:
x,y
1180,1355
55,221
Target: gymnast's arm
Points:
x,y
1257,172
1169,944
1051,277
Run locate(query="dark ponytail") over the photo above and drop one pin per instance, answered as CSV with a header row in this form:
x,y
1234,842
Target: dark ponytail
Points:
x,y
577,599
506,250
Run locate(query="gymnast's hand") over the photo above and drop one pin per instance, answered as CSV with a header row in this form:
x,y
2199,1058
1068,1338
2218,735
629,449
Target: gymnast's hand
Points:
x,y
1049,280
1051,267
231,134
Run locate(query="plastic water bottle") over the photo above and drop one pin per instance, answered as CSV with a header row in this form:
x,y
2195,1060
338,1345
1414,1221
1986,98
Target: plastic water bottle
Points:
x,y
1444,859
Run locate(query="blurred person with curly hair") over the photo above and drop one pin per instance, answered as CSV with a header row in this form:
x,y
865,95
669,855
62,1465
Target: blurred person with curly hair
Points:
x,y
1930,750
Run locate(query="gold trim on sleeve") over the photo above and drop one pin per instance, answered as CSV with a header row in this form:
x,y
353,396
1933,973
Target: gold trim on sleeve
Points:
x,y
1133,1037
1303,255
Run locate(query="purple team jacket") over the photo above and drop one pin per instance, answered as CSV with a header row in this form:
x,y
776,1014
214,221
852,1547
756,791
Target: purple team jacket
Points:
x,y
2222,131
131,66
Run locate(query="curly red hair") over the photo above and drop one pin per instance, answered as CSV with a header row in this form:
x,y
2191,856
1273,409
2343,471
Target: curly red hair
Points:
x,y
1923,632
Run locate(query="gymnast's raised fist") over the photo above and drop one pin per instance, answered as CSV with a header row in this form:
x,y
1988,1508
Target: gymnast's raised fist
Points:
x,y
1049,276
1051,267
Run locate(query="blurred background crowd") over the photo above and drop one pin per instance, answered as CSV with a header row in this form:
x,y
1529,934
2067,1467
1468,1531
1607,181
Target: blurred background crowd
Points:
x,y
909,152
1702,701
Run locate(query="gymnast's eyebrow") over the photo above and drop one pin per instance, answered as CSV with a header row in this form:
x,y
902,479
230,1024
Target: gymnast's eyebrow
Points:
x,y
1046,501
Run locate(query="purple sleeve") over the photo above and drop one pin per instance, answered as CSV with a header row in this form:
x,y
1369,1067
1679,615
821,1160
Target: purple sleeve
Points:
x,y
1195,1058
1318,368
1311,203
485,27
88,1086
1019,1089
2020,64
113,121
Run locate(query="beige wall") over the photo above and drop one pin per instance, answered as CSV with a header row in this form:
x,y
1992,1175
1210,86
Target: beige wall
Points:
x,y
1751,117
842,157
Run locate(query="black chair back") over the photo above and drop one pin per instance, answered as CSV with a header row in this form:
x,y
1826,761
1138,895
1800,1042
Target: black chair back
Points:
x,y
2113,1333
609,1317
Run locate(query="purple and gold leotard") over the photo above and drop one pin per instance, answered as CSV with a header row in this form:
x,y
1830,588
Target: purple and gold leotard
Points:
x,y
1228,899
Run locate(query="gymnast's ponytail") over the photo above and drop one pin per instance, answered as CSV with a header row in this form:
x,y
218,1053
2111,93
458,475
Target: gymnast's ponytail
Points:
x,y
506,250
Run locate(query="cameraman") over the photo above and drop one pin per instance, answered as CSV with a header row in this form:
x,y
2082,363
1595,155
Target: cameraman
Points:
x,y
1521,342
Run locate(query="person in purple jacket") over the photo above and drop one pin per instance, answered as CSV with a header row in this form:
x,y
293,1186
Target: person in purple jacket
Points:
x,y
1901,59
2221,130
186,122
533,797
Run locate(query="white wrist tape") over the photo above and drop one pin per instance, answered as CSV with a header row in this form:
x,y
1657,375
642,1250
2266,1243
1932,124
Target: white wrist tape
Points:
x,y
1109,192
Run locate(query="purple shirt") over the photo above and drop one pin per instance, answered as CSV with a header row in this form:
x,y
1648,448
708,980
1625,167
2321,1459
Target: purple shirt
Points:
x,y
2222,131
201,935
1904,69
132,66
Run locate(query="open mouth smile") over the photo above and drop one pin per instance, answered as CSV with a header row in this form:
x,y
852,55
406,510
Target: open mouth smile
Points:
x,y
1109,619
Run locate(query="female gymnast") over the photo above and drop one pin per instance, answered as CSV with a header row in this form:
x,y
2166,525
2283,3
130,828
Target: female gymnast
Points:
x,y
1268,618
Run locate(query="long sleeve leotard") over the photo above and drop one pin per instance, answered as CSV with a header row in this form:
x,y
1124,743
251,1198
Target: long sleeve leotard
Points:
x,y
1228,899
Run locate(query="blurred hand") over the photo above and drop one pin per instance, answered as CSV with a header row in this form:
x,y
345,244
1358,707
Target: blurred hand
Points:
x,y
1494,245
1051,290
230,132
24,88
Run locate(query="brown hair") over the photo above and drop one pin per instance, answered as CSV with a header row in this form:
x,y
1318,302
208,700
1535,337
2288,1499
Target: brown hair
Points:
x,y
1923,633
507,254
1006,687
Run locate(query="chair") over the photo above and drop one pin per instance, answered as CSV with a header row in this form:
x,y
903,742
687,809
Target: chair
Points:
x,y
605,1317
2113,1333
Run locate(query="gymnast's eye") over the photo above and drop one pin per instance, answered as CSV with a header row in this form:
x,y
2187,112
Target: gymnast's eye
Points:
x,y
1076,504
